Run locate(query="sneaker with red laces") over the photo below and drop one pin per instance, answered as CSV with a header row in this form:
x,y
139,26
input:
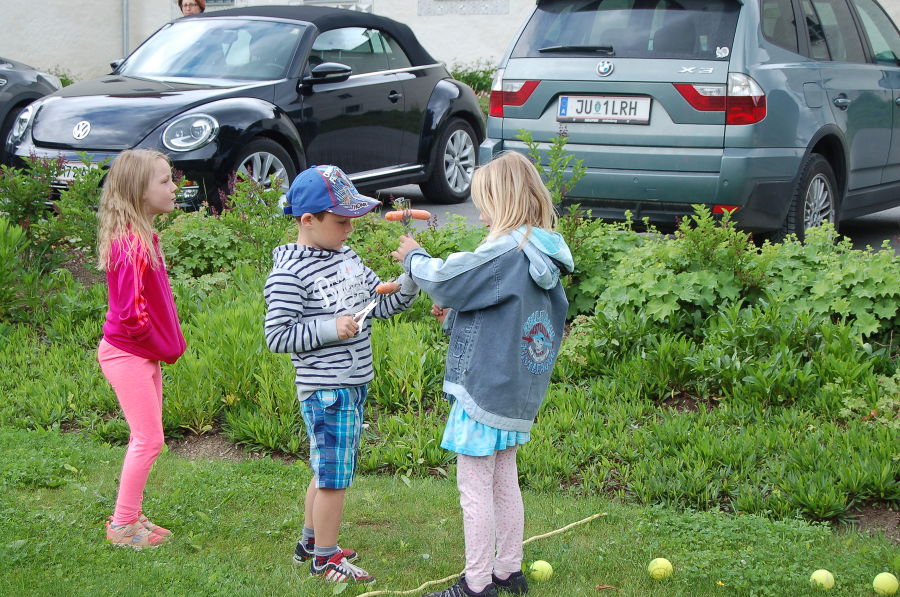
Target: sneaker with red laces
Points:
x,y
132,535
305,551
338,570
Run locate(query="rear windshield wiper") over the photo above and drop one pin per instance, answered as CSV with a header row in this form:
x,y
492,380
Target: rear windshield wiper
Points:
x,y
605,50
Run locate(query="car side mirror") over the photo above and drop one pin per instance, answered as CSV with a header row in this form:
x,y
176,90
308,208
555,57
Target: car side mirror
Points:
x,y
327,72
116,63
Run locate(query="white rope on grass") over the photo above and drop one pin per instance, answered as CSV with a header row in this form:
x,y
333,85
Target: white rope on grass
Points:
x,y
424,586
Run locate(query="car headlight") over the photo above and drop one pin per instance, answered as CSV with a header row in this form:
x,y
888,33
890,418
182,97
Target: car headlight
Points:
x,y
21,124
190,132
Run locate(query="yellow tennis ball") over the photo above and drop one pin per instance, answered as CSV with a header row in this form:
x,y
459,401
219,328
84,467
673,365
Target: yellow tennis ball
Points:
x,y
821,579
885,584
540,570
660,568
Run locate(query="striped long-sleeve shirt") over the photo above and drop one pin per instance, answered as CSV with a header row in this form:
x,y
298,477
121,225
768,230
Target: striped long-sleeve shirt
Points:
x,y
306,291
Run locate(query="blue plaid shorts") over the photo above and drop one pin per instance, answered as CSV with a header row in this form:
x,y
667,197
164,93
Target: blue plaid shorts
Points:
x,y
334,421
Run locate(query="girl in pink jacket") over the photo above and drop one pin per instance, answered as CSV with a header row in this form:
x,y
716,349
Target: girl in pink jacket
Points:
x,y
141,327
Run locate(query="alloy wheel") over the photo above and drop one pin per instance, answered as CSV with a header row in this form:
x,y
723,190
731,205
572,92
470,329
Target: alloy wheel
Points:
x,y
459,161
819,202
261,166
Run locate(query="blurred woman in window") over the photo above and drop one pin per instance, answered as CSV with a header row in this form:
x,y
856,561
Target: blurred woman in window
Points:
x,y
191,7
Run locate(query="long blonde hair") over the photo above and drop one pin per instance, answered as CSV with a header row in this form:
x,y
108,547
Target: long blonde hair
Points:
x,y
121,214
508,190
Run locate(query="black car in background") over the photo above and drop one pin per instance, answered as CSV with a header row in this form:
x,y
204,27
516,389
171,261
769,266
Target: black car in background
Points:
x,y
20,85
270,90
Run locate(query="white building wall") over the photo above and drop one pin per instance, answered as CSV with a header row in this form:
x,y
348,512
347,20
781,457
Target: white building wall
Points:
x,y
81,37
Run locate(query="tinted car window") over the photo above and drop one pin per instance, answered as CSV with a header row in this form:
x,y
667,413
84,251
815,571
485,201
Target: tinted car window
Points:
x,y
363,50
832,31
697,29
778,23
217,49
396,57
881,32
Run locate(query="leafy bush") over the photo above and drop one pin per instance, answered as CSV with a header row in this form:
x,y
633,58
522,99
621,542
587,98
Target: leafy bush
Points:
x,y
15,282
24,194
478,75
196,244
703,372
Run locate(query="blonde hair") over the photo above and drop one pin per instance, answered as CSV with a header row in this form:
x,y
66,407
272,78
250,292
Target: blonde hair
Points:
x,y
508,190
121,214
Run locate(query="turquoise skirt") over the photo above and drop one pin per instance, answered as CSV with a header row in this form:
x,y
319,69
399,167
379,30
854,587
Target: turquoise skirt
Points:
x,y
465,435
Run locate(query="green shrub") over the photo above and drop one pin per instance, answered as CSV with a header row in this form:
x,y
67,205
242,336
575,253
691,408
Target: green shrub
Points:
x,y
15,281
76,209
196,244
478,75
269,420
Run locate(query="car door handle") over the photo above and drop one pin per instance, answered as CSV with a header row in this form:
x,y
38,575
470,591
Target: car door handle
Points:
x,y
395,96
842,102
897,101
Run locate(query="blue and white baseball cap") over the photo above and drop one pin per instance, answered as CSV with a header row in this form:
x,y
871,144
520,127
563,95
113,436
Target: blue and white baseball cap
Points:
x,y
326,188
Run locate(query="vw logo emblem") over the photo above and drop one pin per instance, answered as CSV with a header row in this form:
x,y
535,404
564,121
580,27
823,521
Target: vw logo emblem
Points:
x,y
604,68
81,130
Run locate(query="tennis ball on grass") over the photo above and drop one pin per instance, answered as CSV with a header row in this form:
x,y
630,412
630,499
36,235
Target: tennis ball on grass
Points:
x,y
885,584
821,579
540,570
660,568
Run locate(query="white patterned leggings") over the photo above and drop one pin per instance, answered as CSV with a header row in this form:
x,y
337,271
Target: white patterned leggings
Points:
x,y
493,515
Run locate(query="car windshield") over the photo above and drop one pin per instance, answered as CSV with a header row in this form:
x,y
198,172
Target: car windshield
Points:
x,y
232,49
696,29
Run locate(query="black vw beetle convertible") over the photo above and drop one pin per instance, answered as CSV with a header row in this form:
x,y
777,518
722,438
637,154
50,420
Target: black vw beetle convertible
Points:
x,y
270,90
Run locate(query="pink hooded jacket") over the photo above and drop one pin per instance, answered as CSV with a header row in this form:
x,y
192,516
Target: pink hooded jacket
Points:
x,y
141,319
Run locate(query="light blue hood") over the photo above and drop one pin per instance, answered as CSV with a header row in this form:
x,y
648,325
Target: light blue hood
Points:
x,y
542,249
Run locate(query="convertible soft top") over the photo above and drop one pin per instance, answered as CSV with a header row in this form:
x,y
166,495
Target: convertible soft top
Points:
x,y
327,18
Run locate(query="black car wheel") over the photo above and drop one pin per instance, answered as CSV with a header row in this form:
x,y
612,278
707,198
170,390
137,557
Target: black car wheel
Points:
x,y
454,158
263,158
814,200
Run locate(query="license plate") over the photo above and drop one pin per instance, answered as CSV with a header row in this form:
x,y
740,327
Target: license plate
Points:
x,y
72,169
612,109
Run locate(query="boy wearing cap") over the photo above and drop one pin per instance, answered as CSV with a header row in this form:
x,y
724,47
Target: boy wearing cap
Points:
x,y
318,295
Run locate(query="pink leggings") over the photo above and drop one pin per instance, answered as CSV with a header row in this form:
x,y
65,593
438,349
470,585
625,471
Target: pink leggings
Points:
x,y
493,515
138,385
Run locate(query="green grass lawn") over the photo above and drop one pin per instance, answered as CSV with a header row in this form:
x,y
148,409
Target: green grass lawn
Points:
x,y
235,525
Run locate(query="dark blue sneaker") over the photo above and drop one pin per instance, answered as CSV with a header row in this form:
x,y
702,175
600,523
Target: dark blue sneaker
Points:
x,y
516,584
461,589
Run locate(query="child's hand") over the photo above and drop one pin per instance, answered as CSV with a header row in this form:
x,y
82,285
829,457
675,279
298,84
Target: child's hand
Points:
x,y
439,312
407,244
346,327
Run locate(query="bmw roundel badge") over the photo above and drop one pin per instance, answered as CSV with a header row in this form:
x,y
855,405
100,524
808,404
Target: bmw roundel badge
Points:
x,y
604,68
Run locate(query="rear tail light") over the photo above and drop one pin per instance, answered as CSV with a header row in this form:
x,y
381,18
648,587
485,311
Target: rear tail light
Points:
x,y
721,209
509,93
742,100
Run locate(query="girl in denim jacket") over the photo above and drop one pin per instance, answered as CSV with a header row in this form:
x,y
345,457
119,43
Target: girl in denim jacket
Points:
x,y
505,309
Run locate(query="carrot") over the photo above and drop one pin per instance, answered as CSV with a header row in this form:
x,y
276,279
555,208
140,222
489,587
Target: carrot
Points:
x,y
415,214
387,288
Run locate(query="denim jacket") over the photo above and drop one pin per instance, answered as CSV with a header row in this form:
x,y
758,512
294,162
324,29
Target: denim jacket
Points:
x,y
509,309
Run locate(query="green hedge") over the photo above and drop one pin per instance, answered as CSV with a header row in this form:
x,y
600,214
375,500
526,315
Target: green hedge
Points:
x,y
698,370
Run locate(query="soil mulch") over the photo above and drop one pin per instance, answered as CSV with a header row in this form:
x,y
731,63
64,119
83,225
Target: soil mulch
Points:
x,y
215,446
